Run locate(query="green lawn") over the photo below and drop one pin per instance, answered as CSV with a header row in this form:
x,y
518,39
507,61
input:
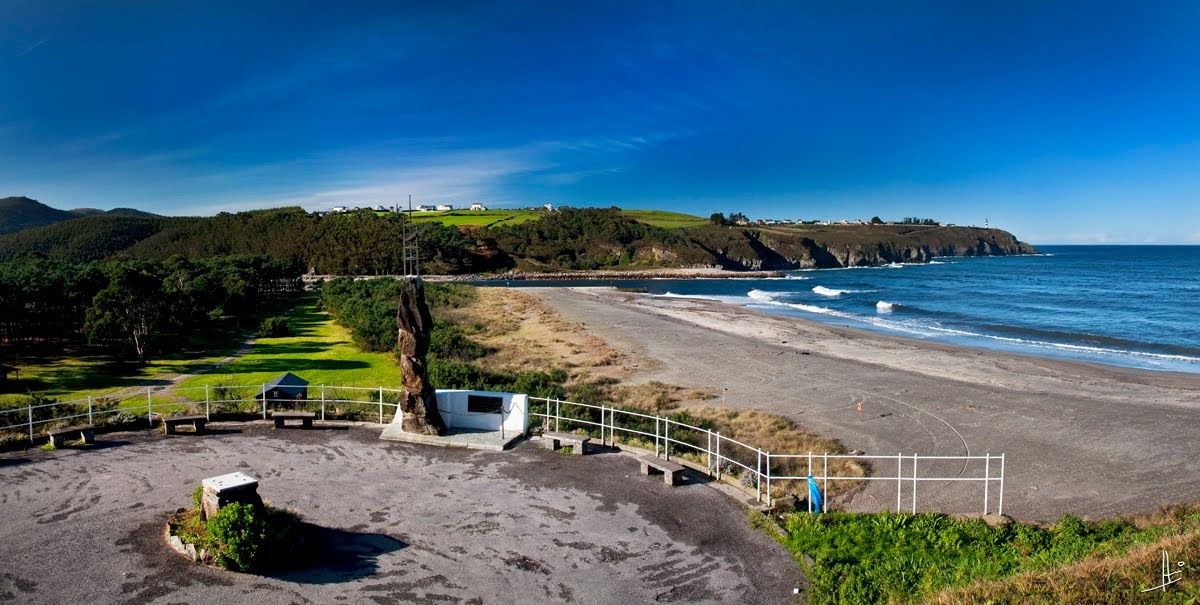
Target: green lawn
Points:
x,y
492,218
478,218
74,374
665,219
320,351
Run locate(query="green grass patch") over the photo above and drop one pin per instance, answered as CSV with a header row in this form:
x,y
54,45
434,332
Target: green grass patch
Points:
x,y
87,371
319,351
665,219
477,218
902,558
496,218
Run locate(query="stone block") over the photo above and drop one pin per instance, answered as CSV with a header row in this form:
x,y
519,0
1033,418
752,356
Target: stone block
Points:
x,y
223,490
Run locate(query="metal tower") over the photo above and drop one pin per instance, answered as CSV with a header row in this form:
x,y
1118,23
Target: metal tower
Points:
x,y
411,249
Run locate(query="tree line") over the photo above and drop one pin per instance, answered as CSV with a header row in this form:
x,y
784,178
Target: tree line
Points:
x,y
134,308
365,242
353,243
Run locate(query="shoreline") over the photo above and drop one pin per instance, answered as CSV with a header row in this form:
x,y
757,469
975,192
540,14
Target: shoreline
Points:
x,y
1081,437
592,275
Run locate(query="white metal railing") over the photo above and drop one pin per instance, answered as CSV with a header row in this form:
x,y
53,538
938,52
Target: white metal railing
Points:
x,y
720,454
222,399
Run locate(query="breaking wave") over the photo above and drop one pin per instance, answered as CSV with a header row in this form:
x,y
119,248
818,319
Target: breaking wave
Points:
x,y
823,291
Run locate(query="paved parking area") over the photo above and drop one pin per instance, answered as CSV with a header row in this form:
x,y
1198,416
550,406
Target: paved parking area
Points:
x,y
413,523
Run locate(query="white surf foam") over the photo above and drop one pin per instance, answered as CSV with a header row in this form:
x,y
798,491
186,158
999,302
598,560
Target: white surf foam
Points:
x,y
823,291
884,306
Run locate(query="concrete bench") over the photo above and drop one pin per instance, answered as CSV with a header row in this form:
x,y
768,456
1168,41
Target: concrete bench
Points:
x,y
170,423
305,418
671,472
86,432
555,440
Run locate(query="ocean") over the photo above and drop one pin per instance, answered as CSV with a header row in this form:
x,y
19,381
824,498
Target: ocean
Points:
x,y
1129,306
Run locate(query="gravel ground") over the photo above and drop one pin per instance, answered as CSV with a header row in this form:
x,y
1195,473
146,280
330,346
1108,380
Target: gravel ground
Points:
x,y
412,524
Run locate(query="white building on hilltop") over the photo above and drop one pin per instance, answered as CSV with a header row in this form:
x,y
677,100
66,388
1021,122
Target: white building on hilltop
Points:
x,y
477,206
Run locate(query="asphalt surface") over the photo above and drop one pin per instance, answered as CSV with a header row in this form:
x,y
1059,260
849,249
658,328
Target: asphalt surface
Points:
x,y
410,524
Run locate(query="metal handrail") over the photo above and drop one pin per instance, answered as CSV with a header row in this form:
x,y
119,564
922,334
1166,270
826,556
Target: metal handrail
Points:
x,y
715,459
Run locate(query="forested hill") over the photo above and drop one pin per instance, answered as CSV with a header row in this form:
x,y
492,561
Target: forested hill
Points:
x,y
17,213
367,243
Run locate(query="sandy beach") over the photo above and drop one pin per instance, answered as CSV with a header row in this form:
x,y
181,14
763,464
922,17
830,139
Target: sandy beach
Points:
x,y
1082,438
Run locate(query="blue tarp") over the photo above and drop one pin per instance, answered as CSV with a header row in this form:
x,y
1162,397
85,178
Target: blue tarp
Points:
x,y
814,495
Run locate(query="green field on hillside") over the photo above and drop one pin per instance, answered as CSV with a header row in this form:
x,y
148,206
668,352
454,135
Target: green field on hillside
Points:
x,y
665,219
477,218
496,218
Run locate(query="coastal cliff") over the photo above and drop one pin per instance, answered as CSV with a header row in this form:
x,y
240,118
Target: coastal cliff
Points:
x,y
569,239
831,246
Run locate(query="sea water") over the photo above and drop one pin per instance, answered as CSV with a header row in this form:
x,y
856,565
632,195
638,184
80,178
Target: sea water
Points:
x,y
1131,306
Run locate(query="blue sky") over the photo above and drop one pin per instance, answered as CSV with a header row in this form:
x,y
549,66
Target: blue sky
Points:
x,y
1063,122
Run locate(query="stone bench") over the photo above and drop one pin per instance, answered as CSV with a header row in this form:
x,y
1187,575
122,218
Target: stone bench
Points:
x,y
555,440
671,472
170,423
305,418
86,432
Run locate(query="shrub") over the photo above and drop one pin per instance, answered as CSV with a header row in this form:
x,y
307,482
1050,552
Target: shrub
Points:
x,y
275,327
253,539
449,342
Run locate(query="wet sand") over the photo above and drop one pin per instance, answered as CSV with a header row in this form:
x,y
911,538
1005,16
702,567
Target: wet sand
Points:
x,y
1083,438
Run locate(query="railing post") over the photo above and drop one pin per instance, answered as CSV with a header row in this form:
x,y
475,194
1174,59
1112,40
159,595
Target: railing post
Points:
x,y
149,409
29,409
758,477
612,426
768,479
809,474
718,454
264,401
987,463
899,477
322,403
914,504
557,414
825,479
708,461
656,429
1000,508
89,409
381,408
666,438
207,404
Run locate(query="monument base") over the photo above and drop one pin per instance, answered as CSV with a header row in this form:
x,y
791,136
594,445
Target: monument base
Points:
x,y
472,439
